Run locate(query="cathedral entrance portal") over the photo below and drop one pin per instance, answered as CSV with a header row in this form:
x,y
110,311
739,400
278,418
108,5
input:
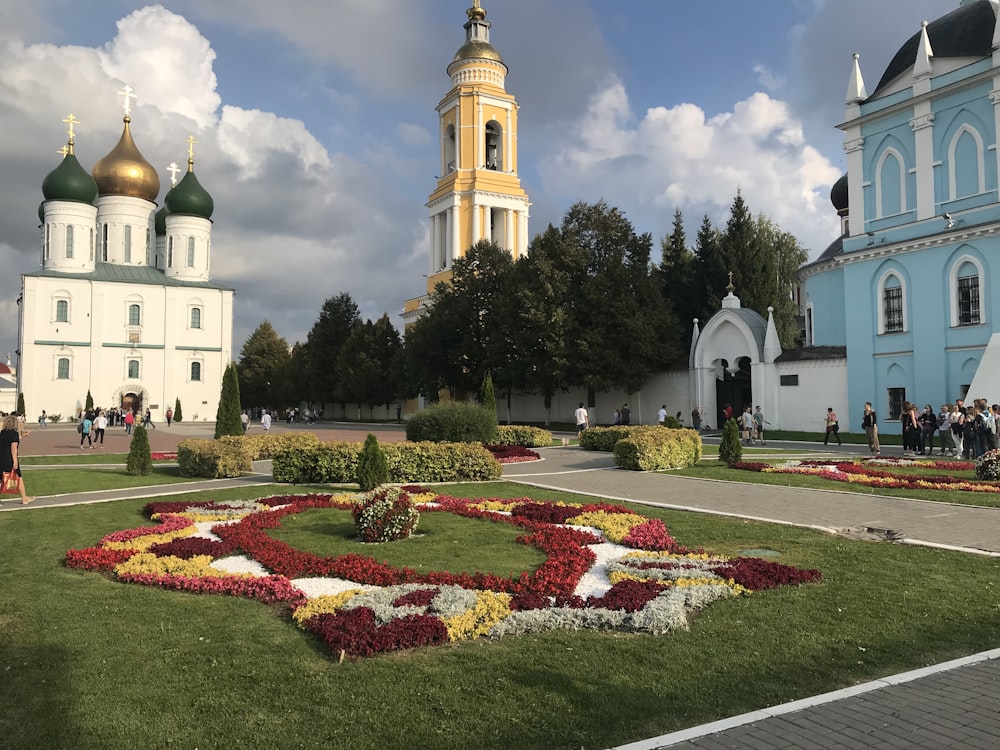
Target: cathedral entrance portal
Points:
x,y
131,401
733,388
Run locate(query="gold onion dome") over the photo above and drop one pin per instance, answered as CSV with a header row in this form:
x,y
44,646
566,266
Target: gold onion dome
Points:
x,y
124,171
477,51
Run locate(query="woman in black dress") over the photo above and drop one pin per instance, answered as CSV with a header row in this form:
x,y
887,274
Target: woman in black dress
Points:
x,y
9,439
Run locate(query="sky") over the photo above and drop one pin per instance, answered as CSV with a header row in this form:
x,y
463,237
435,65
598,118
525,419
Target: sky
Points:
x,y
317,133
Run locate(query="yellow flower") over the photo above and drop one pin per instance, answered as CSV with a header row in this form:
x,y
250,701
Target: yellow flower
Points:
x,y
326,604
489,609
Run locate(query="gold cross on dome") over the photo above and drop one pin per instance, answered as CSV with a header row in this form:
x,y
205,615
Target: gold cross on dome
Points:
x,y
190,141
128,94
730,288
71,119
64,150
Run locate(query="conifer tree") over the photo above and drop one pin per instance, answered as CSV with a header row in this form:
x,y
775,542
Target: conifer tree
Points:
x,y
227,419
89,403
730,448
486,396
139,462
20,405
177,410
372,467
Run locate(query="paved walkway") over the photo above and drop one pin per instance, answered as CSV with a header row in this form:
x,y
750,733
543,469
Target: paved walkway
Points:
x,y
952,705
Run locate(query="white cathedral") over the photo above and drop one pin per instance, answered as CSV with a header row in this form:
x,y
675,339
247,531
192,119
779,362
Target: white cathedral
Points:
x,y
124,306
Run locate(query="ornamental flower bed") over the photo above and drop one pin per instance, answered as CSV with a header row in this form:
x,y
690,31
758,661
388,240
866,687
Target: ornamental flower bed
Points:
x,y
163,455
606,567
512,454
855,472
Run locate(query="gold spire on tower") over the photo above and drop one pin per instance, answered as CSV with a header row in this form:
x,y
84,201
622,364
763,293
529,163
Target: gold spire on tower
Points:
x,y
476,12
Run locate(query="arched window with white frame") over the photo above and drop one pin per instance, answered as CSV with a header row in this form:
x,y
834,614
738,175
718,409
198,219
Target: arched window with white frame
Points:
x,y
892,312
196,370
133,369
890,184
965,281
966,163
62,368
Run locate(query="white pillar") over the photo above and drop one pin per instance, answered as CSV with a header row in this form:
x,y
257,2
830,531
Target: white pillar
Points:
x,y
508,154
508,230
435,244
923,136
476,228
522,233
458,138
855,180
480,136
456,238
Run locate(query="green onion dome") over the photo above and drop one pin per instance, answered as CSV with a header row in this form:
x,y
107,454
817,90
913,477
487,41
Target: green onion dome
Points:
x,y
41,212
160,221
189,198
69,182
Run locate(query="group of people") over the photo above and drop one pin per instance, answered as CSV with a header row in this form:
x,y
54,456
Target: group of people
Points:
x,y
965,431
752,426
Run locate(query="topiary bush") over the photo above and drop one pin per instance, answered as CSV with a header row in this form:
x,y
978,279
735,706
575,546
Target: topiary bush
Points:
x,y
605,438
178,416
453,422
523,435
653,450
140,461
385,515
672,422
988,466
212,459
730,448
263,445
372,468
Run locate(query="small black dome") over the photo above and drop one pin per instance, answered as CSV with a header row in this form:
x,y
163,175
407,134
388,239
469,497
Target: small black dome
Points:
x,y
838,195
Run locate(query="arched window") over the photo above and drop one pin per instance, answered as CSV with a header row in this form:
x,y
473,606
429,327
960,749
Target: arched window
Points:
x,y
104,242
170,252
62,368
47,238
967,293
134,315
190,259
494,146
62,311
69,240
91,243
890,185
450,163
196,371
196,317
133,368
128,243
967,173
892,309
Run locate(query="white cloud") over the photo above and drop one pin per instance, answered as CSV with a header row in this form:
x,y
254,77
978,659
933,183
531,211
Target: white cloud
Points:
x,y
674,158
767,78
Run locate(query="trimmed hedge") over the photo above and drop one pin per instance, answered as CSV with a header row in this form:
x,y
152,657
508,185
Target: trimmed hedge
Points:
x,y
212,459
337,463
453,422
659,448
523,435
604,438
266,444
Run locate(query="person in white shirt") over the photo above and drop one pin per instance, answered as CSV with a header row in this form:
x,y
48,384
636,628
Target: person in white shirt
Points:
x,y
265,422
582,420
661,416
100,425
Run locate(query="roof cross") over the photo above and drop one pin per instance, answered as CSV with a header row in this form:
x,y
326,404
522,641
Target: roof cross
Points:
x,y
173,169
71,119
190,141
64,150
128,94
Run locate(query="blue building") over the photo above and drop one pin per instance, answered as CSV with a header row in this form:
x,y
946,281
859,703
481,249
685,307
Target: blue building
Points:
x,y
912,286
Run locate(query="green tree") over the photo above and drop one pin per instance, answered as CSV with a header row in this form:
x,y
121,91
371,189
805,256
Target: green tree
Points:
x,y
337,318
730,448
178,416
373,470
263,362
227,418
680,277
88,405
367,366
20,405
486,395
139,462
711,270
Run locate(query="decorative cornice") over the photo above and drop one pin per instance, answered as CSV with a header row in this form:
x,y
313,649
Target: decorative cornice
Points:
x,y
923,121
902,248
110,345
484,73
995,96
38,342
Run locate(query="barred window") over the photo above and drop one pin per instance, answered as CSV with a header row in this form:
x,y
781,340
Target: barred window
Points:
x,y
893,307
896,398
62,311
968,301
62,368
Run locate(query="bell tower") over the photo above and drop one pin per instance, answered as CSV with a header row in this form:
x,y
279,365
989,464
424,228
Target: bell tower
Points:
x,y
478,195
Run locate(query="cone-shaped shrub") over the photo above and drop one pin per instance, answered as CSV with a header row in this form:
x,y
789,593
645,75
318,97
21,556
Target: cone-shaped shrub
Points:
x,y
730,448
139,462
372,467
227,418
177,411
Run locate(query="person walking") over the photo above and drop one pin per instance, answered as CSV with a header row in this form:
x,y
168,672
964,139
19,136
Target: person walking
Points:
x,y
169,415
832,426
696,418
147,420
43,420
661,416
869,422
10,438
100,424
86,425
245,419
928,425
626,415
129,421
265,422
582,420
758,424
746,424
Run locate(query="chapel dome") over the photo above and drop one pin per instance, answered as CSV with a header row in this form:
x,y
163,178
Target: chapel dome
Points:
x,y
69,182
124,171
839,196
188,197
966,31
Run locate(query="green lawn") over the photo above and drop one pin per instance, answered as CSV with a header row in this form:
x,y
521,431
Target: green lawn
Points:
x,y
91,663
62,481
78,458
